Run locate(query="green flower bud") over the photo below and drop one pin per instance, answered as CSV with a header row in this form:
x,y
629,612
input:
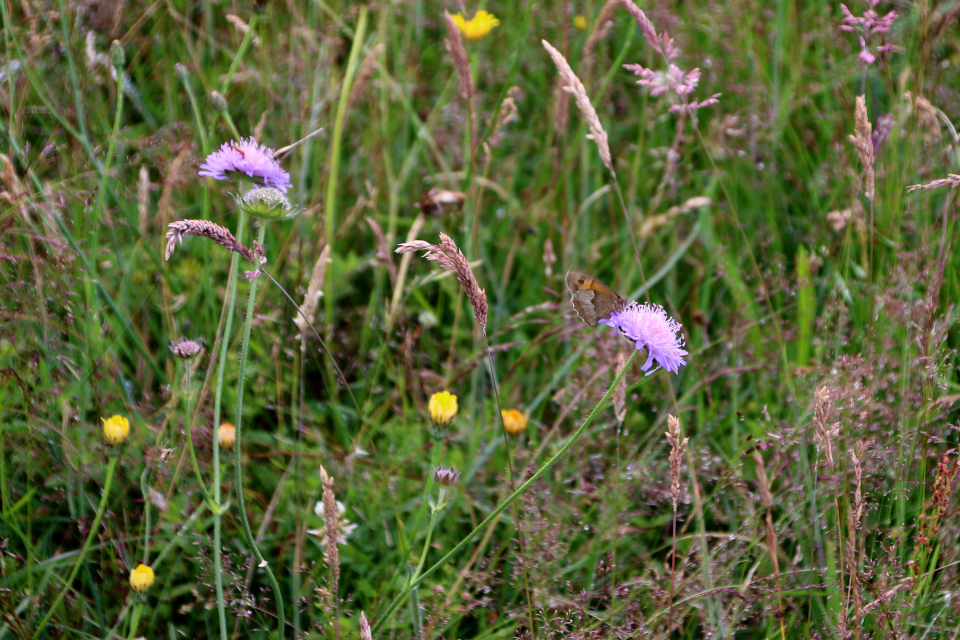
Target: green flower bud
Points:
x,y
267,203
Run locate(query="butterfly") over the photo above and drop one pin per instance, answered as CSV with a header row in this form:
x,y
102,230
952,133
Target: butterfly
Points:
x,y
592,300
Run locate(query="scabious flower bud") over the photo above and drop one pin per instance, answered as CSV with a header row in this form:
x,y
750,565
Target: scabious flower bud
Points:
x,y
443,408
445,477
141,578
218,101
186,349
514,422
181,72
226,435
267,203
117,56
115,429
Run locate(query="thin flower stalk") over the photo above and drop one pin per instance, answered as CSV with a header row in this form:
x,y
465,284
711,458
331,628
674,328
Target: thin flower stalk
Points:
x,y
226,320
238,471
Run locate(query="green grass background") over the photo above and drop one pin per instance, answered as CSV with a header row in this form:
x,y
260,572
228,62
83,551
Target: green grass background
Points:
x,y
774,302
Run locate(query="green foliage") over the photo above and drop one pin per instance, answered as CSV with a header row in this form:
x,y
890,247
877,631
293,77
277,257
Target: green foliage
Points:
x,y
752,228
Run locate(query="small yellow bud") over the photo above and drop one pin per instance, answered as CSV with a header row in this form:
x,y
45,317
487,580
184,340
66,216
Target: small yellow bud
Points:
x,y
141,578
115,429
579,23
514,422
443,407
227,434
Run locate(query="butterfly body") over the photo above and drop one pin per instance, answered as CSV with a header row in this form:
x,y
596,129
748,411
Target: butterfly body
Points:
x,y
592,300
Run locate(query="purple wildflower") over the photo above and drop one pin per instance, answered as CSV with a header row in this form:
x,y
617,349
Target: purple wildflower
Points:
x,y
651,328
247,157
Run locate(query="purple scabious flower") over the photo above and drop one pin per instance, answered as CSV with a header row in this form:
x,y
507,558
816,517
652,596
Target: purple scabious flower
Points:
x,y
247,157
650,326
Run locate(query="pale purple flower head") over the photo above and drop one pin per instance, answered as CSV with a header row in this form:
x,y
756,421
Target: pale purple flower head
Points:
x,y
247,157
651,328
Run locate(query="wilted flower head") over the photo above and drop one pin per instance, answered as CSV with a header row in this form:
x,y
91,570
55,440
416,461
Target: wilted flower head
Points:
x,y
141,578
186,349
226,435
249,158
478,26
651,328
268,203
445,476
443,407
514,422
115,429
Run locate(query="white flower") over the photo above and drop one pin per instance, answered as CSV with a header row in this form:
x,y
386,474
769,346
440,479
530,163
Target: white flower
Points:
x,y
346,527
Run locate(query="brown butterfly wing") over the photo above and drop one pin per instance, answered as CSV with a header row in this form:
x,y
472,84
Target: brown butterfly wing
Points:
x,y
592,300
585,305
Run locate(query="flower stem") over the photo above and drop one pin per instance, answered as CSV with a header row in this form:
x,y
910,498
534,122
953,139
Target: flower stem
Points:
x,y
433,521
381,620
238,474
217,400
193,455
135,621
111,467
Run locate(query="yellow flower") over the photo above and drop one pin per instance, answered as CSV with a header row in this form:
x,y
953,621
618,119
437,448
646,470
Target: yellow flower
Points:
x,y
141,578
227,434
514,421
579,23
478,26
443,407
115,429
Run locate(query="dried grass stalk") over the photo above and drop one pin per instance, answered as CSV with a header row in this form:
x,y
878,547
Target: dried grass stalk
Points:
x,y
143,201
460,61
573,86
312,298
677,449
367,67
549,257
331,525
383,251
601,29
823,434
862,139
205,229
448,255
767,497
952,180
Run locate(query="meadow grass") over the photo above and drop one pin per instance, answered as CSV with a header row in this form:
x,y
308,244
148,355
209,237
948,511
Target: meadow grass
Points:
x,y
796,478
